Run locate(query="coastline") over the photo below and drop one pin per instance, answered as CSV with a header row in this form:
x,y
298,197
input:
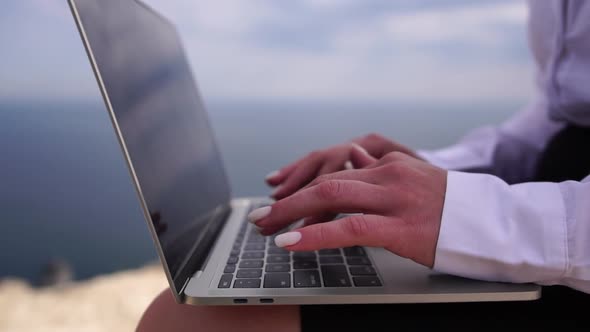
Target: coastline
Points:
x,y
112,302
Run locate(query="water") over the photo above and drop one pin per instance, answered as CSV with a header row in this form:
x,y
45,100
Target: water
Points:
x,y
65,192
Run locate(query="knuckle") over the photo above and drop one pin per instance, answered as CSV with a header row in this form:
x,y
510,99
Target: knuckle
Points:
x,y
374,137
322,235
315,154
330,189
320,179
396,156
392,168
357,226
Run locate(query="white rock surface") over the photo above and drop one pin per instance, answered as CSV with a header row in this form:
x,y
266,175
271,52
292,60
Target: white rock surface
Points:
x,y
112,302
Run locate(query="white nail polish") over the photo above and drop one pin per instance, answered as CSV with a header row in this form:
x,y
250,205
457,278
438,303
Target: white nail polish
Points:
x,y
276,190
287,239
258,214
348,165
272,175
360,148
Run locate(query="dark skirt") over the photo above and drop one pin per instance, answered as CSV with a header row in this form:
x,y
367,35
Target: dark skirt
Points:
x,y
565,158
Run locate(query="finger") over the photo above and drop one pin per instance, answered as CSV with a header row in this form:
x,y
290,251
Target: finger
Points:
x,y
354,175
329,168
356,230
277,177
392,157
335,196
324,217
359,157
305,171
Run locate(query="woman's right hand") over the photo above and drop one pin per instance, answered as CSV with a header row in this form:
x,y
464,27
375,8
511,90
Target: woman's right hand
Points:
x,y
297,175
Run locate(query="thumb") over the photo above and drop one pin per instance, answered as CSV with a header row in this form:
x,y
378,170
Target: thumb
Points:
x,y
359,157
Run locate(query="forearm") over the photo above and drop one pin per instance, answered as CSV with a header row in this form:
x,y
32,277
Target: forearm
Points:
x,y
509,151
532,232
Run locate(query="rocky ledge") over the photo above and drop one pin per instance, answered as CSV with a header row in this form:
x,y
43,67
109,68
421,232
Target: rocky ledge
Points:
x,y
111,302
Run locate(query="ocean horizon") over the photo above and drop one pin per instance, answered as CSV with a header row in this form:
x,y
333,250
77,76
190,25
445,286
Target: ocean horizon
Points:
x,y
65,192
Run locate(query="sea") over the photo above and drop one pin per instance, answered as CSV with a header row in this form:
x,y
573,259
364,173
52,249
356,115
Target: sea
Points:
x,y
66,195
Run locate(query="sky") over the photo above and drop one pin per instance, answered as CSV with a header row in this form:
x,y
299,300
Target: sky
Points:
x,y
406,50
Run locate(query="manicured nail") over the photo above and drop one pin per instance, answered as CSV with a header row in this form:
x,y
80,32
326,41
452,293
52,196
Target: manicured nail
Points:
x,y
258,214
360,148
348,165
272,175
276,191
287,239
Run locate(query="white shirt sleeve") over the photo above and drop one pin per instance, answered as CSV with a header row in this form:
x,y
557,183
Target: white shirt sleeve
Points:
x,y
530,232
509,151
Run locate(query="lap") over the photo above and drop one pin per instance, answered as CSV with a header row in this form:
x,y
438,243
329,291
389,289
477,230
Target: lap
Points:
x,y
559,306
164,314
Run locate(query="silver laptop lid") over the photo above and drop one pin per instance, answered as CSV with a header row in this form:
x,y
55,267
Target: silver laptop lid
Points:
x,y
162,126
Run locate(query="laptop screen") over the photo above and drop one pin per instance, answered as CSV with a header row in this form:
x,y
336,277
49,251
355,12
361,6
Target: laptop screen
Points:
x,y
163,123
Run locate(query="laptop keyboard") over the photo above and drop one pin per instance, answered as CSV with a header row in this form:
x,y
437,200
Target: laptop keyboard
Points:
x,y
255,262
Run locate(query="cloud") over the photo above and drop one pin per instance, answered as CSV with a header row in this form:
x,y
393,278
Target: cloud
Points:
x,y
478,25
326,49
464,52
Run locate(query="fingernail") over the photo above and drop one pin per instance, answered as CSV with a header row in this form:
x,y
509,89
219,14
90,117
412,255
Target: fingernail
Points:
x,y
258,214
348,165
272,174
287,239
360,148
276,191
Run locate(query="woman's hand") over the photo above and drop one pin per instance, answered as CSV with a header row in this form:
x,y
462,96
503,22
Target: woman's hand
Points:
x,y
397,202
293,177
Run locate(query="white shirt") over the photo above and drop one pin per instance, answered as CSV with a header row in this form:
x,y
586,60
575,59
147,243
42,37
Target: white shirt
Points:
x,y
493,229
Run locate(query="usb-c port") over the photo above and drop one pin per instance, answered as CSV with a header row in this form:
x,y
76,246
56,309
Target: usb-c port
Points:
x,y
267,301
240,301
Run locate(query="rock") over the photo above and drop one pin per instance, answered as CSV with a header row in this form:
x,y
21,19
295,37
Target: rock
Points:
x,y
112,302
56,273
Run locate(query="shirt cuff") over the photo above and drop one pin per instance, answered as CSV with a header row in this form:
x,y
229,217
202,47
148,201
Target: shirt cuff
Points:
x,y
455,157
493,231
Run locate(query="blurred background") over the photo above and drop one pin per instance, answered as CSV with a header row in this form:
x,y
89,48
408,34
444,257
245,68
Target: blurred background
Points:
x,y
279,78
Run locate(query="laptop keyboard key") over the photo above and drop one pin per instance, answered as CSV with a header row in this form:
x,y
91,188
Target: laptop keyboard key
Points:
x,y
335,276
366,281
363,271
249,273
277,251
331,260
306,255
306,278
247,283
277,259
253,255
254,247
234,253
358,261
232,260
277,280
225,281
251,264
277,268
329,252
229,268
256,238
354,251
303,265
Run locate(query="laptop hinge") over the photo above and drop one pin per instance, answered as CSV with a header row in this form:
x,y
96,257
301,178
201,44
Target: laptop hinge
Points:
x,y
210,234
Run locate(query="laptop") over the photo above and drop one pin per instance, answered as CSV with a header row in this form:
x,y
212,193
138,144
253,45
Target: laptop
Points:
x,y
211,255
